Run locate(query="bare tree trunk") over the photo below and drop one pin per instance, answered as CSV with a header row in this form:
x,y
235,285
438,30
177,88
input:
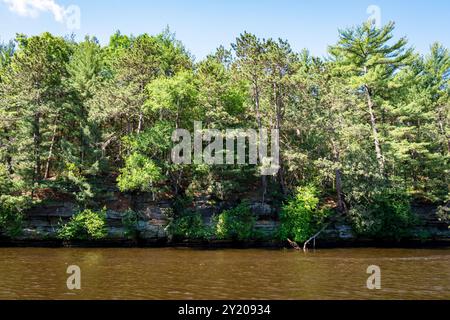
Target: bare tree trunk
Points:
x,y
258,120
9,164
141,122
37,146
82,140
8,152
50,152
105,145
442,129
341,203
338,180
129,132
278,127
305,245
373,123
177,121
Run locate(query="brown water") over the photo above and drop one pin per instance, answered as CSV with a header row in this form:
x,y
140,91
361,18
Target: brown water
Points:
x,y
224,274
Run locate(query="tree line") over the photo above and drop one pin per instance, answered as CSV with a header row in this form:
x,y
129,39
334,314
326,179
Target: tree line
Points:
x,y
367,126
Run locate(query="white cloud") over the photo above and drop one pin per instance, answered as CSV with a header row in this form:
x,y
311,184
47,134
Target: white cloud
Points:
x,y
32,8
71,15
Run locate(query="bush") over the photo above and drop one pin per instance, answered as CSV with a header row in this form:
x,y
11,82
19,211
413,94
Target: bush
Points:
x,y
130,221
6,184
85,225
181,204
190,226
75,182
443,212
236,224
386,214
301,217
139,174
11,213
11,206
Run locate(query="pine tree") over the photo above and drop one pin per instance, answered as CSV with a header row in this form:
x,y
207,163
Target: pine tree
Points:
x,y
6,114
418,141
87,70
370,63
36,92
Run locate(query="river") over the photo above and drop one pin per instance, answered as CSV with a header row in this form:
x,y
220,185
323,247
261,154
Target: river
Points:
x,y
171,273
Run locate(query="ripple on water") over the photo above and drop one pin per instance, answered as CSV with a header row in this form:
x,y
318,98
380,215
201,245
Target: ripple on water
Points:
x,y
224,274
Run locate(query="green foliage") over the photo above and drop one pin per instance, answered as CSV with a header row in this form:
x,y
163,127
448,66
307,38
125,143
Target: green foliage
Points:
x,y
154,141
11,213
301,216
139,174
6,54
182,203
85,225
6,184
376,114
130,220
443,214
386,214
12,206
189,226
77,184
236,224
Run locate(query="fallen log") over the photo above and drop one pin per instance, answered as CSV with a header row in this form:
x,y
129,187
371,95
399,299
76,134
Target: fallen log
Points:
x,y
313,238
294,244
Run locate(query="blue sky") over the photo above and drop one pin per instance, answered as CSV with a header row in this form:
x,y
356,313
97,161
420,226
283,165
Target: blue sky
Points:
x,y
203,25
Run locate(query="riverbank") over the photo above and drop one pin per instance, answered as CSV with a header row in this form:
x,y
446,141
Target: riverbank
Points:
x,y
42,222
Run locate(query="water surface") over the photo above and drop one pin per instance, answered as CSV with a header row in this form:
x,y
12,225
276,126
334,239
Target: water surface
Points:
x,y
35,273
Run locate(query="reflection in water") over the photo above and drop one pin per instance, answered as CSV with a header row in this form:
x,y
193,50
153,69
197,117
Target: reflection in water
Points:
x,y
224,274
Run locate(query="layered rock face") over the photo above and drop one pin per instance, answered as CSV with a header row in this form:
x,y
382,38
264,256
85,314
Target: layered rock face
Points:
x,y
42,222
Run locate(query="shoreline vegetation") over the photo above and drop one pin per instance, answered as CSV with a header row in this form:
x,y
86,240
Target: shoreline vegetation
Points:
x,y
86,142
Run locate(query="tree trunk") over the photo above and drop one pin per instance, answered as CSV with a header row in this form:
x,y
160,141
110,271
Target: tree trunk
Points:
x,y
81,133
338,180
258,120
8,152
50,152
341,203
278,127
37,146
177,121
443,133
373,123
141,122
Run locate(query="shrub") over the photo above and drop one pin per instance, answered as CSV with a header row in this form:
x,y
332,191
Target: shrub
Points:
x,y
6,184
139,174
235,224
74,180
11,213
385,214
130,221
443,212
181,204
190,226
301,217
85,225
11,206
